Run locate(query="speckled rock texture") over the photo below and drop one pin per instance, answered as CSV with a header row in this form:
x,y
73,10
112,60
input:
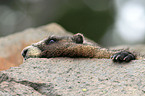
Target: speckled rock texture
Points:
x,y
73,76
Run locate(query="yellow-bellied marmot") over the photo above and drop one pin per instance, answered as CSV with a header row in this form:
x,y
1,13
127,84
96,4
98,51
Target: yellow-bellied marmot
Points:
x,y
55,46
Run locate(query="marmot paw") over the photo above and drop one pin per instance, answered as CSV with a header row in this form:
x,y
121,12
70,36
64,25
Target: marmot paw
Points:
x,y
123,56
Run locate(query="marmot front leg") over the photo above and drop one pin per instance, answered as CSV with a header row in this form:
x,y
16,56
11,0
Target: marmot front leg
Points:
x,y
122,56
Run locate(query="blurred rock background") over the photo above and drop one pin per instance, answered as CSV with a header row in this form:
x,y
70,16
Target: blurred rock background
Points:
x,y
108,22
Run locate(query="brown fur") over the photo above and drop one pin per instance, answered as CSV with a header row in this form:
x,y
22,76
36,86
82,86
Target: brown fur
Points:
x,y
69,47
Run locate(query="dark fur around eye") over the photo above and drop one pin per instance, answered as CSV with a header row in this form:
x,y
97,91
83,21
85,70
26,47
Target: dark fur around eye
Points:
x,y
50,41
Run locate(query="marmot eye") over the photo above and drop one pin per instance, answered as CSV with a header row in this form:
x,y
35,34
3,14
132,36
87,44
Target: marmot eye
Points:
x,y
50,41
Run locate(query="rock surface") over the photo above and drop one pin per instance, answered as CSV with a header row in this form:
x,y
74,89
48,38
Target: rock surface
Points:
x,y
68,76
75,77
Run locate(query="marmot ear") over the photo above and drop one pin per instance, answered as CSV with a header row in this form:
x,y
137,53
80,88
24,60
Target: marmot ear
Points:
x,y
78,38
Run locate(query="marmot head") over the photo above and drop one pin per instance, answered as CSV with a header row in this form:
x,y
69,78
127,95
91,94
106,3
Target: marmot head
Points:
x,y
55,46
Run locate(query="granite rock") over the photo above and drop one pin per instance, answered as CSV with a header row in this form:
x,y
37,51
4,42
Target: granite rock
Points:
x,y
75,77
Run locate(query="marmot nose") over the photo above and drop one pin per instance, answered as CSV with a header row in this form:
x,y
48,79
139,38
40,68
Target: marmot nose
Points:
x,y
24,53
